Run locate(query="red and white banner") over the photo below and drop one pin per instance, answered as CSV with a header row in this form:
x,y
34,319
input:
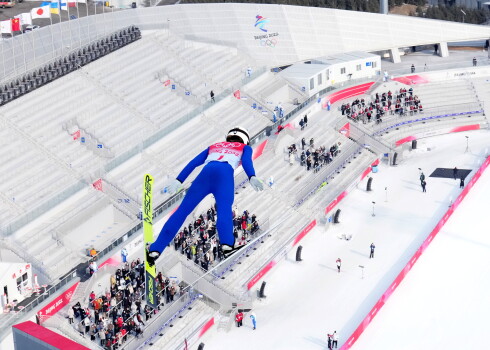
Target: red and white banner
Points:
x,y
166,83
206,327
386,295
344,193
346,93
237,94
437,132
259,150
57,304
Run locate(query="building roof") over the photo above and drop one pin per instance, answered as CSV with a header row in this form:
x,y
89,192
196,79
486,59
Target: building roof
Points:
x,y
302,70
283,34
344,57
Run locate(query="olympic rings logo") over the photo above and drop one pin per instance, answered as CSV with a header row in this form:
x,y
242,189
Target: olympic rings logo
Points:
x,y
268,42
228,144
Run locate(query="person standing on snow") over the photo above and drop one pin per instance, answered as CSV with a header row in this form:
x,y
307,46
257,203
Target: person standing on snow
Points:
x,y
339,263
461,183
254,320
335,339
329,343
371,255
217,178
239,319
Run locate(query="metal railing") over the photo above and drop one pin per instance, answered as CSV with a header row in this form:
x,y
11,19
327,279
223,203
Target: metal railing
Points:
x,y
327,172
9,320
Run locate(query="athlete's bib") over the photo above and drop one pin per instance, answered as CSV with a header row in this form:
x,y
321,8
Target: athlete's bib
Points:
x,y
230,152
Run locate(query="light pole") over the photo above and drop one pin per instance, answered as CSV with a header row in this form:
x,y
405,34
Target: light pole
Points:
x,y
373,208
362,271
464,14
467,144
386,192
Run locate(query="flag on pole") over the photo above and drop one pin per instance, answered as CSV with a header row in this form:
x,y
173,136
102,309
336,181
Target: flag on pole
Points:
x,y
41,12
6,27
16,27
65,5
55,7
25,18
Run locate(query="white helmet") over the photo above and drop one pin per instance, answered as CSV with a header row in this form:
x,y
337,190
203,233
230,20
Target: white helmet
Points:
x,y
238,134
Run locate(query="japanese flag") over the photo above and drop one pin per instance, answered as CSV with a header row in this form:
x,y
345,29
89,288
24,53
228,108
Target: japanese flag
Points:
x,y
6,27
41,12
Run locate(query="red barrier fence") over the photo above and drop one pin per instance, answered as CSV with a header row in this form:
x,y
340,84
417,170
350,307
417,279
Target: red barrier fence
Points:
x,y
57,304
274,262
347,93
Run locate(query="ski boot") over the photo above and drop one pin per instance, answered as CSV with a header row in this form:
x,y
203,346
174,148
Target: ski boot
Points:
x,y
230,250
151,256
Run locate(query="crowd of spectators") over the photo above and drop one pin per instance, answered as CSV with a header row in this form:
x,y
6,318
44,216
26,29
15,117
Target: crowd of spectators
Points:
x,y
313,157
121,312
199,242
402,103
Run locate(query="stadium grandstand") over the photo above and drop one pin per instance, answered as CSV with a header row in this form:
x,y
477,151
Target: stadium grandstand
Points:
x,y
86,114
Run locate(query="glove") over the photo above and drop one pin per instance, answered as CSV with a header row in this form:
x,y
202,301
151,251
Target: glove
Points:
x,y
256,183
174,186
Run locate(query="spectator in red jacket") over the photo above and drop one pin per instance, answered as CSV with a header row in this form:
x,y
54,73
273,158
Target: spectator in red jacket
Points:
x,y
239,319
91,297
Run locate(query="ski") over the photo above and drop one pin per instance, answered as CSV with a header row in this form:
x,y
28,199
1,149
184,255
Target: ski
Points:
x,y
147,210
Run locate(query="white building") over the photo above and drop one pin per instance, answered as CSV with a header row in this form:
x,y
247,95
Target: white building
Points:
x,y
15,282
325,71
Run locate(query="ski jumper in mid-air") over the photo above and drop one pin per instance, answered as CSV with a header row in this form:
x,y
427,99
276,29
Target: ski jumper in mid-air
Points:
x,y
217,178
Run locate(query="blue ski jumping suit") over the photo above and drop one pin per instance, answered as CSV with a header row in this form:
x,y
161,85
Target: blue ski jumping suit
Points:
x,y
216,178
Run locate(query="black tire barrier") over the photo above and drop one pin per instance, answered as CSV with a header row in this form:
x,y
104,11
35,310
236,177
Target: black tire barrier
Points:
x,y
336,217
369,183
298,253
201,346
262,290
395,155
414,144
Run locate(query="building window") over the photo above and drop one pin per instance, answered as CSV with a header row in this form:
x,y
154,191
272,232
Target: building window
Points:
x,y
319,82
358,67
312,84
342,70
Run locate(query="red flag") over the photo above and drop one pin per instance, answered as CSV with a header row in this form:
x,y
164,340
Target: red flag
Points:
x,y
237,94
76,135
98,185
16,25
